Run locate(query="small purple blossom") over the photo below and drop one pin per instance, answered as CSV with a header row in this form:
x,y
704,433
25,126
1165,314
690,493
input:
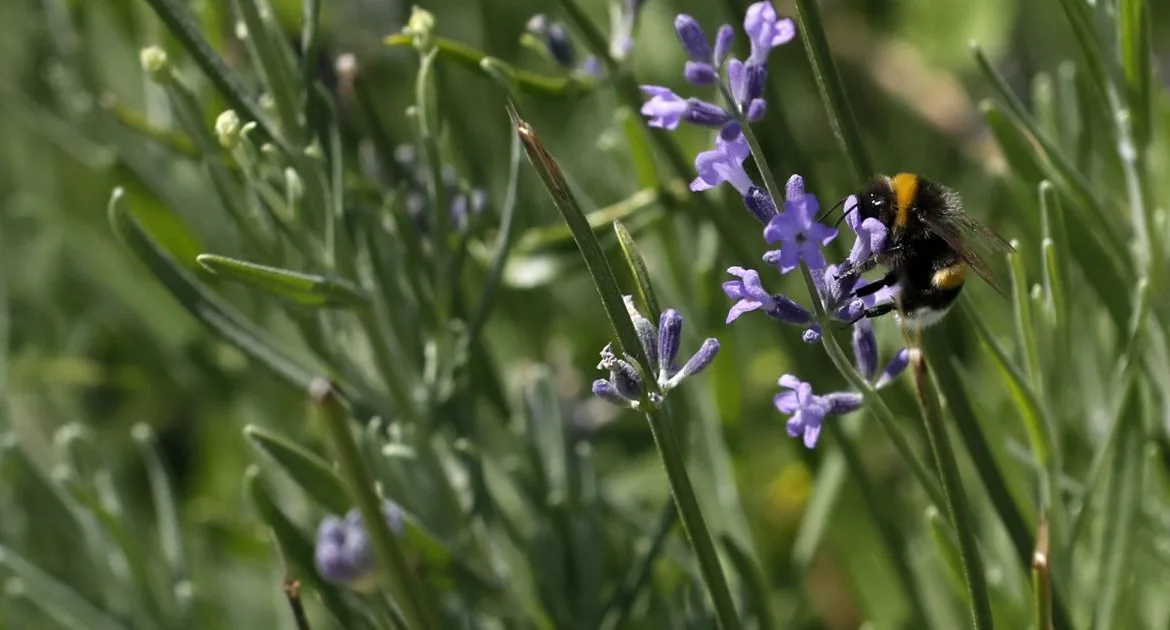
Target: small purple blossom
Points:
x,y
799,235
760,204
894,368
750,296
766,30
723,40
865,351
724,163
667,109
624,386
692,38
344,553
808,410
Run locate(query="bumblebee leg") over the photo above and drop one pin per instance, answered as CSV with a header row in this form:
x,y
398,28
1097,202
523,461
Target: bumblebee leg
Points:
x,y
873,311
888,280
860,268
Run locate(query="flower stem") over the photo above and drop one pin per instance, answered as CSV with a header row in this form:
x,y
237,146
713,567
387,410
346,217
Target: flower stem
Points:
x,y
812,31
956,500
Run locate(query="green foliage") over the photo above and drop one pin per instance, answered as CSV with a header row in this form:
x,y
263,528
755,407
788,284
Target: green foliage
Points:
x,y
283,316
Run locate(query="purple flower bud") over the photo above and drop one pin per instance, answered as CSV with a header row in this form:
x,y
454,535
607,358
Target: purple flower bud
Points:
x,y
705,114
665,108
794,187
843,402
669,337
751,295
895,367
344,553
730,132
865,350
737,81
693,40
760,204
700,73
756,109
606,391
697,363
723,41
756,76
625,378
559,45
812,334
647,336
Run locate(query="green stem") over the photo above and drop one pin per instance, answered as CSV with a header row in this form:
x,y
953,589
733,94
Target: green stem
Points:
x,y
617,609
418,609
812,32
628,343
948,468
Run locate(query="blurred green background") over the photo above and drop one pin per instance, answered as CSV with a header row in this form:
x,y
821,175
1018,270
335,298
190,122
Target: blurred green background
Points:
x,y
89,339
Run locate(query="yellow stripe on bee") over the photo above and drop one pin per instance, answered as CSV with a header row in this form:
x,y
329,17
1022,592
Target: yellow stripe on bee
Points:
x,y
905,187
950,277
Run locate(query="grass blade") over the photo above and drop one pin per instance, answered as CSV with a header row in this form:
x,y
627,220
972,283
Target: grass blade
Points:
x,y
57,600
310,472
639,271
281,83
302,288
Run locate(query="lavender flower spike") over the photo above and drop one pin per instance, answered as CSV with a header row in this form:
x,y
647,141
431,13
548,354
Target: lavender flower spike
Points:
x,y
799,235
724,163
766,30
344,553
865,351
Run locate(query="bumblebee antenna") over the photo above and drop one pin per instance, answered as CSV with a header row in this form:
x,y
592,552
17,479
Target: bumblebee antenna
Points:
x,y
826,214
844,214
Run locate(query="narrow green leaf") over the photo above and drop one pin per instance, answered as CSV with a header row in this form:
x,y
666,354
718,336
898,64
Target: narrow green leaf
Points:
x,y
749,573
408,590
310,472
189,34
617,608
1041,581
57,600
1081,20
832,90
166,516
558,238
638,270
546,429
818,510
205,306
1121,504
282,85
1134,22
302,288
957,506
948,550
641,155
175,141
1017,148
505,240
1044,104
297,550
310,40
1025,324
527,82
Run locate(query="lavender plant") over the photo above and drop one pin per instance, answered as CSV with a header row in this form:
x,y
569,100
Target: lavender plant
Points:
x,y
327,278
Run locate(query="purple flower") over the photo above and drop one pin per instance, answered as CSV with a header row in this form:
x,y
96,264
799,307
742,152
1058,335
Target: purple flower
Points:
x,y
723,41
344,554
871,234
693,40
766,30
865,351
750,296
622,374
669,339
808,410
666,109
760,204
724,163
697,363
800,237
647,336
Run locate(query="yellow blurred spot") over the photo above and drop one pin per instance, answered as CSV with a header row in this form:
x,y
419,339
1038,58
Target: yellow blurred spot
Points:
x,y
787,494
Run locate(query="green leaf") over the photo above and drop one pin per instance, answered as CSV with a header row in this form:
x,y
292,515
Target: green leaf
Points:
x,y
270,57
638,270
1134,22
310,472
190,35
302,288
57,600
1121,507
832,89
209,309
750,574
526,82
297,550
166,515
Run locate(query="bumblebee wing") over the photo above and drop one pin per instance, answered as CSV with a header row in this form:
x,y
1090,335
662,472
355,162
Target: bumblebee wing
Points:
x,y
976,244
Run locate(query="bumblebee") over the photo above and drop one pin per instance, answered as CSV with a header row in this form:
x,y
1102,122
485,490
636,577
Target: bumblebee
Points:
x,y
931,247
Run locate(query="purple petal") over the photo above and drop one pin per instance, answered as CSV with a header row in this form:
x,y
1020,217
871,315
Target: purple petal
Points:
x,y
723,41
691,35
786,402
811,433
737,81
699,73
793,188
741,307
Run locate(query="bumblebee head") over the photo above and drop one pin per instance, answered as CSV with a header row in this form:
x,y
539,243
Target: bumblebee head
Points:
x,y
878,201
